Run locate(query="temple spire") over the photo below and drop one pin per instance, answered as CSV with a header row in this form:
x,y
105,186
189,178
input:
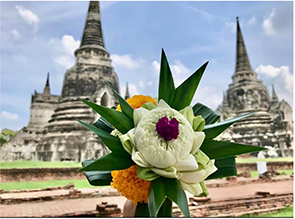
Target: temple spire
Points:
x,y
127,94
47,86
92,34
274,95
242,60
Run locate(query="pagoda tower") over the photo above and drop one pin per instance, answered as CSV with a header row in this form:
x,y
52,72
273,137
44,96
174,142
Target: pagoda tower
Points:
x,y
246,94
272,125
65,138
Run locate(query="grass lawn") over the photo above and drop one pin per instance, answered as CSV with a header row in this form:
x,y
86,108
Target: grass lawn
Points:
x,y
79,183
286,212
254,160
36,164
288,172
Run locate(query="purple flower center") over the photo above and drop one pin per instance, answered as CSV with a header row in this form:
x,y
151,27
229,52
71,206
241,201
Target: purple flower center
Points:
x,y
167,129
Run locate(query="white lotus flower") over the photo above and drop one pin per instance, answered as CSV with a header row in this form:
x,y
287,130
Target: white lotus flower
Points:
x,y
164,143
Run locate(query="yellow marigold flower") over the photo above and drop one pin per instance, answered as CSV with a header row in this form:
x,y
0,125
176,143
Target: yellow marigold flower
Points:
x,y
138,100
127,183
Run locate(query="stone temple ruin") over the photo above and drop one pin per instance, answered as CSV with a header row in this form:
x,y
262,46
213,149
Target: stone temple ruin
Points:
x,y
53,134
272,125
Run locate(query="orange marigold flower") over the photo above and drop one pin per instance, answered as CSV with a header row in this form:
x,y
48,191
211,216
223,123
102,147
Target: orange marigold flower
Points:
x,y
133,188
138,100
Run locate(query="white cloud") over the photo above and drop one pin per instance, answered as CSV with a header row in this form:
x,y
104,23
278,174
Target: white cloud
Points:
x,y
278,74
27,15
281,78
268,24
208,95
9,116
64,50
156,66
69,44
231,26
252,20
204,14
15,34
125,61
150,83
65,61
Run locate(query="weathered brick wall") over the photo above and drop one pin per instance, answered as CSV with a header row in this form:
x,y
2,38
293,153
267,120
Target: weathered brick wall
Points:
x,y
44,174
241,167
40,174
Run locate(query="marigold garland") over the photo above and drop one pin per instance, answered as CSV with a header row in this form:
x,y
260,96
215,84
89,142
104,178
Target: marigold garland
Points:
x,y
138,100
127,183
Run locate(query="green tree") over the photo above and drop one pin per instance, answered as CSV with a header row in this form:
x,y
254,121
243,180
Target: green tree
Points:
x,y
6,134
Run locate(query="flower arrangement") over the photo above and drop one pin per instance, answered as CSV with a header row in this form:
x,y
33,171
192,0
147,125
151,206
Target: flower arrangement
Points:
x,y
161,147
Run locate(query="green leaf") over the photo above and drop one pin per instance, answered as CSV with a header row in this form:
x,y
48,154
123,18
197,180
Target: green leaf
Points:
x,y
109,162
208,114
166,83
176,194
103,124
226,167
163,188
118,119
214,130
142,210
97,178
126,108
112,142
166,209
156,196
220,149
184,94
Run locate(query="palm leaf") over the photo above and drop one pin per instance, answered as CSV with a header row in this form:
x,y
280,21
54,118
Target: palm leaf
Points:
x,y
166,83
118,119
126,108
213,130
221,149
185,92
208,114
112,142
109,162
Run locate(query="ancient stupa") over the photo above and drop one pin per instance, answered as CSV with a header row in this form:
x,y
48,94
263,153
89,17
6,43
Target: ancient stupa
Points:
x,y
59,136
272,125
65,138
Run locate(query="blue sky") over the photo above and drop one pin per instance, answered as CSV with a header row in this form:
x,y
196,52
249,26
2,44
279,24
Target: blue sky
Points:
x,y
40,37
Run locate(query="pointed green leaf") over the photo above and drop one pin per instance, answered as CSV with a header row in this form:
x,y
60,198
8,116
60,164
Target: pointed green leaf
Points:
x,y
184,94
97,178
103,124
166,83
126,108
208,114
214,130
162,188
112,142
226,167
220,149
166,209
176,194
156,196
118,119
109,162
142,210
